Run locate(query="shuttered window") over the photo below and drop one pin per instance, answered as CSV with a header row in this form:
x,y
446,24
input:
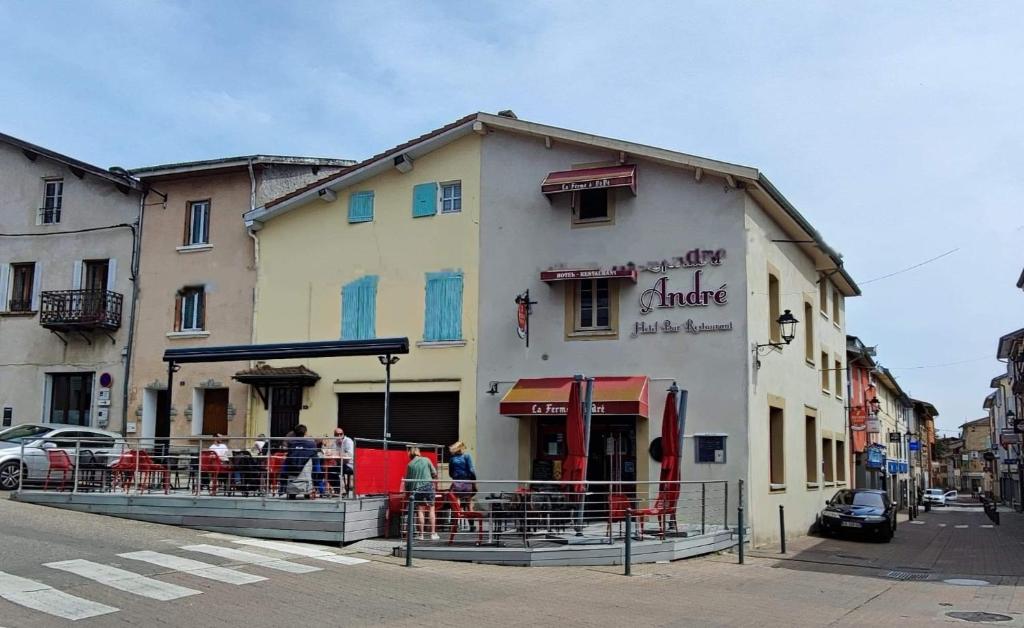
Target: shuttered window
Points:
x,y
424,200
359,309
443,316
422,417
360,207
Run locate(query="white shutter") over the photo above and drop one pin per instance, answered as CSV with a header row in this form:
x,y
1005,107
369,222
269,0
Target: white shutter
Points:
x,y
111,273
37,284
76,275
5,273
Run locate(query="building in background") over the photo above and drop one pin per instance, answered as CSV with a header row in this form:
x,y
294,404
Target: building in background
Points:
x,y
641,267
67,240
196,282
895,414
976,472
862,408
924,429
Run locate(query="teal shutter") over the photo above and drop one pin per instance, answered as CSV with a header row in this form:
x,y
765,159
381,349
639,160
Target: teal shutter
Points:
x,y
424,200
443,316
359,309
360,207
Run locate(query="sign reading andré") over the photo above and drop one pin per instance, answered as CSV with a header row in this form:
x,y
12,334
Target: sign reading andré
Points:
x,y
664,295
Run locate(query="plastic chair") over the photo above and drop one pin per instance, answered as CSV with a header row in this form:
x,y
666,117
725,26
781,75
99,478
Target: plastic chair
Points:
x,y
148,468
210,463
618,503
664,507
274,467
465,515
58,460
122,472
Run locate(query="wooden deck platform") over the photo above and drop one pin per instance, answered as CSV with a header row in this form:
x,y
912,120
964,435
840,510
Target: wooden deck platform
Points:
x,y
334,520
561,555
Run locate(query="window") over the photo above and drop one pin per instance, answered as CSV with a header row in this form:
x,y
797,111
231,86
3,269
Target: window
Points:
x,y
809,333
776,450
71,398
442,319
96,272
424,200
359,309
191,306
826,460
838,370
592,308
53,200
774,329
197,225
592,206
840,461
22,284
360,207
823,296
836,304
811,448
451,197
711,449
824,372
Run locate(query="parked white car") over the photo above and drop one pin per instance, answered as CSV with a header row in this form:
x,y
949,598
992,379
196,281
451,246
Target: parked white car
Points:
x,y
34,439
939,497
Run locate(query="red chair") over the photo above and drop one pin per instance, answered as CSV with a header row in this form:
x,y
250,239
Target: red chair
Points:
x,y
58,460
618,503
148,469
122,472
458,514
274,466
396,507
664,507
210,463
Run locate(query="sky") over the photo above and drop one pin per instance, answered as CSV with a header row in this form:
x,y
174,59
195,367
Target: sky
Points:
x,y
895,128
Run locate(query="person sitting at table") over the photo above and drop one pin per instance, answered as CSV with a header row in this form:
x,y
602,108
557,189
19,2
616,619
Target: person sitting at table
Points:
x,y
218,447
346,449
299,463
259,447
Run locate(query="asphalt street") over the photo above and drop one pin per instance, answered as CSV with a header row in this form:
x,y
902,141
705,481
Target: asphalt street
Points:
x,y
113,572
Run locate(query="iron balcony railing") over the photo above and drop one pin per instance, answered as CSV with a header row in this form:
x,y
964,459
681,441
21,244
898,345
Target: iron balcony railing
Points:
x,y
65,310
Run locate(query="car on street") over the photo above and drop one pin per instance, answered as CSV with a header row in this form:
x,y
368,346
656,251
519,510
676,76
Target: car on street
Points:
x,y
865,511
24,448
938,496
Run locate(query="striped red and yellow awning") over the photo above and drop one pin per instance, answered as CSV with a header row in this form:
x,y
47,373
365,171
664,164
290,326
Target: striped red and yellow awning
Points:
x,y
549,396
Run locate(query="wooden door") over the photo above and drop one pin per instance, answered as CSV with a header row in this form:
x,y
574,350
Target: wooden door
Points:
x,y
96,275
163,420
285,404
215,411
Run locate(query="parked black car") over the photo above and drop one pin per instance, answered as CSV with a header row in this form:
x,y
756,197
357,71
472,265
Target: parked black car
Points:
x,y
859,510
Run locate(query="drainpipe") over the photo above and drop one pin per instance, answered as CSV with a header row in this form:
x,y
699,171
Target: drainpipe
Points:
x,y
134,278
250,424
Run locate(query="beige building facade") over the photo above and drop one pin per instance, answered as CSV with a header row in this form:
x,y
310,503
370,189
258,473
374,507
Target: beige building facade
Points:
x,y
196,285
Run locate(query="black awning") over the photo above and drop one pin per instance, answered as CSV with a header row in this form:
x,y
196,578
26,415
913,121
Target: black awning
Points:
x,y
285,350
277,376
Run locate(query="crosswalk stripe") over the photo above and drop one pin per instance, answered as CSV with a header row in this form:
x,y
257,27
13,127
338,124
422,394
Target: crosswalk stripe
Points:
x,y
194,567
46,599
917,523
989,525
302,550
960,527
942,525
252,558
123,580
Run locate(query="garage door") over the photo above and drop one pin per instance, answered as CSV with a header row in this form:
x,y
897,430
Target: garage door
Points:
x,y
424,417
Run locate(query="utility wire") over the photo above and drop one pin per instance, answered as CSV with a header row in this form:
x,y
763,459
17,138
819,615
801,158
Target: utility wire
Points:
x,y
48,233
908,268
935,366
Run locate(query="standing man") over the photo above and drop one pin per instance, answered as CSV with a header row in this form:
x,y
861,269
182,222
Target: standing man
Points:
x,y
420,475
346,449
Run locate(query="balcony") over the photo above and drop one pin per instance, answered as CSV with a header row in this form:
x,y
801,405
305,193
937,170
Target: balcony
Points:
x,y
80,310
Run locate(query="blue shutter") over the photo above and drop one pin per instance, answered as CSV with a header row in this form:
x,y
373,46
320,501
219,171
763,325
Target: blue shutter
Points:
x,y
360,207
424,200
359,309
443,316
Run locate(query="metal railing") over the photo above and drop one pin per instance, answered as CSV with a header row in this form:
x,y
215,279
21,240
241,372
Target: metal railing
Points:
x,y
80,309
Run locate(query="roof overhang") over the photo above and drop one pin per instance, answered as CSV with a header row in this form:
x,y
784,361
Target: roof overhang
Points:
x,y
1011,345
320,349
926,407
228,164
31,151
998,380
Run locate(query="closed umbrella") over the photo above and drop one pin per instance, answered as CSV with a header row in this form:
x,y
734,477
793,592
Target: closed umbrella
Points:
x,y
669,486
574,467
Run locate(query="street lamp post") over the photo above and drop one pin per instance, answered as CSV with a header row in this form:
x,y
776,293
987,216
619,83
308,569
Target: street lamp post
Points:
x,y
787,332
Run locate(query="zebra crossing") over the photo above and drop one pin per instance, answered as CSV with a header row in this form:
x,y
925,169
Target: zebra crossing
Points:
x,y
41,597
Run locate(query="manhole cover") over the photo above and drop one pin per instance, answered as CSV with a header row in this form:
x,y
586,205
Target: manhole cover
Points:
x,y
906,575
978,616
967,582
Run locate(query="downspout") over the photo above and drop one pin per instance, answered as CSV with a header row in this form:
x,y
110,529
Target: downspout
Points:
x,y
134,278
250,428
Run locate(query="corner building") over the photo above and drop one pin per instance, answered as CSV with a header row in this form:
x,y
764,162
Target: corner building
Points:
x,y
644,266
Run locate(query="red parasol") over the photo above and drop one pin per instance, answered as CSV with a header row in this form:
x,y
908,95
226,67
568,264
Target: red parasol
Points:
x,y
669,487
574,467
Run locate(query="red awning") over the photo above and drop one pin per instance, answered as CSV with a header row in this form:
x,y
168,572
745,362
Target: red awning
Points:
x,y
575,274
549,396
590,179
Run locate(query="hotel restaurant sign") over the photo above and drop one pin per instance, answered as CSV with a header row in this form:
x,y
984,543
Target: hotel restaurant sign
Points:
x,y
666,294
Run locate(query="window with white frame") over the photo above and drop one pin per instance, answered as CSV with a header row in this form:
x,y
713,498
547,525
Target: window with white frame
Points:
x,y
53,200
451,197
191,309
197,226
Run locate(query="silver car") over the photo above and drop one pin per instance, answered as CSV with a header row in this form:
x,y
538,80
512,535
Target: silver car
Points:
x,y
34,439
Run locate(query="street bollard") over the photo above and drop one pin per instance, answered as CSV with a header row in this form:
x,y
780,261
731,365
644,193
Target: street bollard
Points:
x,y
782,527
725,508
629,541
739,518
703,501
410,529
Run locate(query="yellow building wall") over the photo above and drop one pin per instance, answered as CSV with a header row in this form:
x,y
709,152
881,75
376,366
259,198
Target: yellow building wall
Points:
x,y
309,253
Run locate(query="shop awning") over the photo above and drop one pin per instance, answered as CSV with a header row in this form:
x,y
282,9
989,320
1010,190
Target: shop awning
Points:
x,y
549,396
575,274
590,179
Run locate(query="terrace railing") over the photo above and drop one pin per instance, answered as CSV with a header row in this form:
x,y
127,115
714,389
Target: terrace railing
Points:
x,y
68,310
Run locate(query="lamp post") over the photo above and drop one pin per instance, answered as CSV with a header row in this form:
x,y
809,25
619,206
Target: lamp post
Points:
x,y
787,332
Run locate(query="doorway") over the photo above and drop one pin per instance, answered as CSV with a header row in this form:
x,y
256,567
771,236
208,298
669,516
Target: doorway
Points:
x,y
285,405
612,455
215,411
